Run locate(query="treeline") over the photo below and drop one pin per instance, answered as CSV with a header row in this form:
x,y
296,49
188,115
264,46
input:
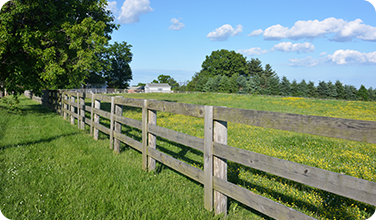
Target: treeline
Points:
x,y
229,72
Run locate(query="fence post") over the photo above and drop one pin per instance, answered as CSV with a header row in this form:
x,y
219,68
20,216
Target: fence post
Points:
x,y
72,109
97,104
112,122
91,114
152,138
208,158
220,166
65,105
145,135
82,113
119,112
78,111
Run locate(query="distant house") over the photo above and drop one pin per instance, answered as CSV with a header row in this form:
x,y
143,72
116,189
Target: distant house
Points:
x,y
157,87
136,89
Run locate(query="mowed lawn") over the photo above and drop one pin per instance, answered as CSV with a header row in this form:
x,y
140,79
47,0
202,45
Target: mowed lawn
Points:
x,y
49,169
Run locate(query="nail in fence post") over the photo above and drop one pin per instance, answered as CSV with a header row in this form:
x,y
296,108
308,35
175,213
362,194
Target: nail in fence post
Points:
x,y
145,135
72,109
152,138
208,158
82,113
119,112
97,104
220,166
112,123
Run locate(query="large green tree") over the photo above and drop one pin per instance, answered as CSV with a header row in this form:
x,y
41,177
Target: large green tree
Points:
x,y
167,79
224,63
52,44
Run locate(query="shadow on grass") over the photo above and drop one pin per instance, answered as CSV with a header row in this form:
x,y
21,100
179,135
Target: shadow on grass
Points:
x,y
46,140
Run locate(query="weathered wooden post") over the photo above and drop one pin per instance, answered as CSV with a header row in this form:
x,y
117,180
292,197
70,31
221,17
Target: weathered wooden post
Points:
x,y
145,135
112,122
97,104
92,114
118,112
220,166
65,105
152,138
208,158
82,113
72,109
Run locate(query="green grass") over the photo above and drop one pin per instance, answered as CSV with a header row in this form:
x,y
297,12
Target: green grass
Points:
x,y
49,169
348,157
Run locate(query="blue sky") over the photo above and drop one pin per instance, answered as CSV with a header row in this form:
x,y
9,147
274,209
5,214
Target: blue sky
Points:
x,y
312,40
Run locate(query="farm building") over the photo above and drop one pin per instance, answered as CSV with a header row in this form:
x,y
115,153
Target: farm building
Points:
x,y
157,87
136,89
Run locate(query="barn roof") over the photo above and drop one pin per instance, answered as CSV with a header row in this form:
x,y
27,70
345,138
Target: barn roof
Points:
x,y
158,85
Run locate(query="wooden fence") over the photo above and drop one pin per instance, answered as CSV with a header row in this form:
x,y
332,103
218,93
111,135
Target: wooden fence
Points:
x,y
215,149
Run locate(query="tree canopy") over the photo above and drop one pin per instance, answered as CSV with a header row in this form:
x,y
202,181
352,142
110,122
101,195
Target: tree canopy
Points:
x,y
167,79
52,44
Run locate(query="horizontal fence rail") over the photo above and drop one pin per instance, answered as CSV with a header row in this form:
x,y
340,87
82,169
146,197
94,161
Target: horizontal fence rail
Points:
x,y
215,149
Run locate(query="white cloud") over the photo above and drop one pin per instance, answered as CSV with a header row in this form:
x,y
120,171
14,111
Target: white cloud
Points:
x,y
176,24
224,32
255,33
112,6
290,47
252,51
133,9
352,57
339,57
343,30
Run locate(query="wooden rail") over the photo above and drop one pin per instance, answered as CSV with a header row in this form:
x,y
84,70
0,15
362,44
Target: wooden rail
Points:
x,y
217,152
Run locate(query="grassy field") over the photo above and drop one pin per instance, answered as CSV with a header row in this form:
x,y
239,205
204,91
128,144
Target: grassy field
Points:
x,y
348,157
50,169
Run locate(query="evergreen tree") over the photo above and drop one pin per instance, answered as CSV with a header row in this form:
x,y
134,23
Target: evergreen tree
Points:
x,y
208,87
254,85
372,94
303,89
233,85
224,85
255,67
332,90
350,92
200,84
323,90
340,90
362,93
285,87
216,81
242,85
294,88
312,91
273,86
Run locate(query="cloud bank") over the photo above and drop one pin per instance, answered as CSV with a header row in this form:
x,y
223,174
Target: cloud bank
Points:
x,y
133,9
281,47
176,24
339,57
224,32
337,30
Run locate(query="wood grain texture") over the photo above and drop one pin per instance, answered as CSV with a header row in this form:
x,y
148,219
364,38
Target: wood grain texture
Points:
x,y
208,158
92,114
102,128
129,141
257,202
177,108
118,112
128,121
220,166
97,106
348,129
72,104
152,138
178,137
180,166
351,187
103,98
145,135
102,113
112,123
82,110
129,102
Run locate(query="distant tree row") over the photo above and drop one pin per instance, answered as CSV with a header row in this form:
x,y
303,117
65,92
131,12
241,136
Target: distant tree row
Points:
x,y
229,72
